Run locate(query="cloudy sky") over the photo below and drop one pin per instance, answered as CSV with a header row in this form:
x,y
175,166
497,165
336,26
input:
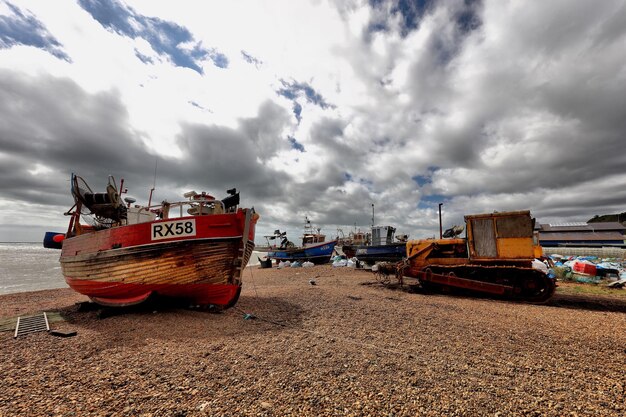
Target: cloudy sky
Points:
x,y
316,108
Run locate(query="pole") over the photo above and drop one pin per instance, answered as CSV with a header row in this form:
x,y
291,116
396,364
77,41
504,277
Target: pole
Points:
x,y
373,215
154,185
440,227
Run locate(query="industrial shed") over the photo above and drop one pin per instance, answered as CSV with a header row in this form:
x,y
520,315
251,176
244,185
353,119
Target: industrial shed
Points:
x,y
582,234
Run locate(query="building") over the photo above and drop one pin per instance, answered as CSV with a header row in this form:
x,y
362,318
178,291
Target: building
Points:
x,y
582,234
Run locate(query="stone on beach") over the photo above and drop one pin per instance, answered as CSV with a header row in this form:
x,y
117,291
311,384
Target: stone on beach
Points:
x,y
342,348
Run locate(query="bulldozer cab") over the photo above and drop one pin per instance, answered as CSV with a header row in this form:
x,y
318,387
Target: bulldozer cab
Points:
x,y
505,235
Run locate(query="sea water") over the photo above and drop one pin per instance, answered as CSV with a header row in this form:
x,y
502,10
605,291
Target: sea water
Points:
x,y
31,267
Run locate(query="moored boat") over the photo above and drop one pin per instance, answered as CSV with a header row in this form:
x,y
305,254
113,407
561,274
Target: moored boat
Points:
x,y
315,248
194,249
377,246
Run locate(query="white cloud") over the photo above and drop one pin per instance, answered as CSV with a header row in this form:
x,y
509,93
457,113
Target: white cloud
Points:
x,y
524,111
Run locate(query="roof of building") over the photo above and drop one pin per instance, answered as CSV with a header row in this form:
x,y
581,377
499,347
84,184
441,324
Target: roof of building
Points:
x,y
581,227
584,236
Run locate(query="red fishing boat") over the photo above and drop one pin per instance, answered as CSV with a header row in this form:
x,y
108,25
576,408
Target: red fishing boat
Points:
x,y
195,249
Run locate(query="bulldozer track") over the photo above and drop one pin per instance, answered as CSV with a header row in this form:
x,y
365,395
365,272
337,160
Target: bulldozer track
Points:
x,y
526,284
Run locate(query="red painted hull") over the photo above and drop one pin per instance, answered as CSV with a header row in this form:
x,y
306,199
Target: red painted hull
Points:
x,y
119,294
125,265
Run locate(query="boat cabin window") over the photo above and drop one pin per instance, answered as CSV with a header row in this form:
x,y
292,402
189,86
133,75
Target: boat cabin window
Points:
x,y
311,239
383,235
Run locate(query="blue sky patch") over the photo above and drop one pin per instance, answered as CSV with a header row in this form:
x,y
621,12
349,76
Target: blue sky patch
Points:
x,y
251,60
143,58
468,19
294,91
410,12
297,110
198,106
363,181
21,28
427,178
295,144
430,201
165,38
422,180
374,27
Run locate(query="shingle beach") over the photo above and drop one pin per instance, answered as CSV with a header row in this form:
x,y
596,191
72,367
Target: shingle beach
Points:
x,y
319,341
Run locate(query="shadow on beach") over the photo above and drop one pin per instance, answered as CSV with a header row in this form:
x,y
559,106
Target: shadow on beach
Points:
x,y
587,302
172,319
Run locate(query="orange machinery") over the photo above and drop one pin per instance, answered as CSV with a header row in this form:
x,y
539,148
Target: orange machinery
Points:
x,y
496,257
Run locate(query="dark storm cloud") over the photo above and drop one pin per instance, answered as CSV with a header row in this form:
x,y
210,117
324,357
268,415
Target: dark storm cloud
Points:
x,y
330,195
345,208
17,183
544,117
516,107
51,127
22,28
483,107
166,38
226,158
328,133
53,123
265,132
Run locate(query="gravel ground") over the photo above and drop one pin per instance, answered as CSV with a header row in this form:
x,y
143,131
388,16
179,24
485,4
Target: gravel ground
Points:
x,y
344,346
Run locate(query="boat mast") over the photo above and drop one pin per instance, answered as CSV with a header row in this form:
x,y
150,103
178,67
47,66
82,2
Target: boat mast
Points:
x,y
153,183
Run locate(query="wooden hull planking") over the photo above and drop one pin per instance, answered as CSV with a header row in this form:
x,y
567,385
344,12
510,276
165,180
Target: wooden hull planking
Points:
x,y
123,266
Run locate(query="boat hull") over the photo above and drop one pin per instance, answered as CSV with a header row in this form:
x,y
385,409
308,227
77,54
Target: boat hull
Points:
x,y
378,253
318,254
125,265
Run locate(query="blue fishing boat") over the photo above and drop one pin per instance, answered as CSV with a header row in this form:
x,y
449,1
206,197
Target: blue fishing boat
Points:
x,y
315,248
377,246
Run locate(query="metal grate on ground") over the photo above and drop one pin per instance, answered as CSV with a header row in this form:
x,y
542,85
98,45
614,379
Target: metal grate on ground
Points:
x,y
32,324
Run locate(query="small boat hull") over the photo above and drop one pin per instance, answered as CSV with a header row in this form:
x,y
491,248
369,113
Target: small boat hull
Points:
x,y
125,265
378,253
318,254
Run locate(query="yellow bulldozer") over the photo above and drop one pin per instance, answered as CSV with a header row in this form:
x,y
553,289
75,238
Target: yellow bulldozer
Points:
x,y
495,257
